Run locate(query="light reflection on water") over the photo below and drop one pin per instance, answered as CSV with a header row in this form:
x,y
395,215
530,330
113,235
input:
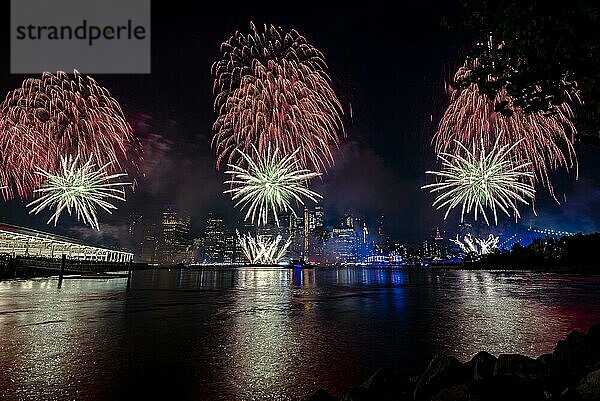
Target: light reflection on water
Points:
x,y
269,333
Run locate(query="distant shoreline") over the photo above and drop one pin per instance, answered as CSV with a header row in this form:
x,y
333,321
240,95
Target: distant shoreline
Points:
x,y
28,271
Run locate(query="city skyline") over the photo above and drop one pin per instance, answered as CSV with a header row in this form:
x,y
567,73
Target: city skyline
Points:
x,y
166,238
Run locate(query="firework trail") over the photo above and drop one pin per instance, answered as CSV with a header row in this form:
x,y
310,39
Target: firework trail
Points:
x,y
547,137
263,249
272,89
59,115
80,189
269,184
478,180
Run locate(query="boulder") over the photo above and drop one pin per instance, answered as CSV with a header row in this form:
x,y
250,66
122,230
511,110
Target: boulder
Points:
x,y
552,375
320,395
481,365
518,365
577,352
589,387
354,394
594,332
385,384
593,336
454,393
503,388
442,372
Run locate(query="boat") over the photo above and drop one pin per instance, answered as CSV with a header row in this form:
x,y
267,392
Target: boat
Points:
x,y
300,264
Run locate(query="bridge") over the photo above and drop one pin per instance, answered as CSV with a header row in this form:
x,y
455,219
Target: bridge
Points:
x,y
525,237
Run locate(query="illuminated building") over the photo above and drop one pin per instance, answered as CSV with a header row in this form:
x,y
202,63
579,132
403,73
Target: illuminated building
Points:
x,y
385,259
214,239
20,241
229,248
174,241
149,243
381,243
296,229
135,231
309,226
342,247
434,247
319,217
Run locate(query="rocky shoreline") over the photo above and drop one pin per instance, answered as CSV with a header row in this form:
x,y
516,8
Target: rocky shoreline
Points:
x,y
570,372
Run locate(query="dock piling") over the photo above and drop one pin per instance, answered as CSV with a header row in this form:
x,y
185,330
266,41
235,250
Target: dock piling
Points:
x,y
63,261
130,266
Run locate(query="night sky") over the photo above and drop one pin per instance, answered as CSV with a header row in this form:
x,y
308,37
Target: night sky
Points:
x,y
388,67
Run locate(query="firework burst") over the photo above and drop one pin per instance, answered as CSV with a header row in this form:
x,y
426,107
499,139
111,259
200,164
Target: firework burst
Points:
x,y
272,89
59,115
480,246
263,249
480,180
269,185
80,189
547,137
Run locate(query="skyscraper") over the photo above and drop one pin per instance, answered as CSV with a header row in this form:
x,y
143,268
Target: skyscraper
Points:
x,y
229,250
135,232
343,242
381,243
319,216
214,239
150,242
174,241
309,226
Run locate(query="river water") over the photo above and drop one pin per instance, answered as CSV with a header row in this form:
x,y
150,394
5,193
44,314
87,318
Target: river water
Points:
x,y
243,334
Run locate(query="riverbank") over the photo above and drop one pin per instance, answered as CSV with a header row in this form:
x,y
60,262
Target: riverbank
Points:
x,y
570,373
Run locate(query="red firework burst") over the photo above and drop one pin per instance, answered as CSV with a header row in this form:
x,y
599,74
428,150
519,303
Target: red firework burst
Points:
x,y
55,116
271,89
547,138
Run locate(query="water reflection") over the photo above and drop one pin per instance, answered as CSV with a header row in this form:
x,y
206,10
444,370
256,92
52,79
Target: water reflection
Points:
x,y
268,333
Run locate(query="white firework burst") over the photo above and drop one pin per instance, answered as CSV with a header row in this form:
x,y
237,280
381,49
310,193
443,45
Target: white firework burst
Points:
x,y
80,189
480,246
269,185
480,180
263,249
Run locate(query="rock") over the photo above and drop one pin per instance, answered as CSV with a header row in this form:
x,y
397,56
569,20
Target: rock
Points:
x,y
320,395
594,333
577,351
442,372
589,387
503,388
385,384
593,336
515,364
454,393
552,375
354,394
482,365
